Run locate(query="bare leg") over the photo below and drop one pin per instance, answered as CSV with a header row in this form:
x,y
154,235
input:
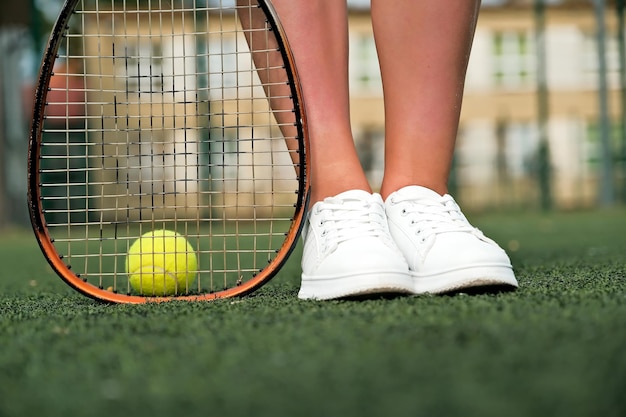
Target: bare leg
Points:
x,y
423,48
268,63
318,36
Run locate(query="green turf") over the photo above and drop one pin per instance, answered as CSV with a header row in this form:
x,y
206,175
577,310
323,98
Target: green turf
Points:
x,y
556,347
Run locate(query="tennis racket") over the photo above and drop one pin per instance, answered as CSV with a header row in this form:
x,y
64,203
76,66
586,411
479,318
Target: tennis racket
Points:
x,y
175,115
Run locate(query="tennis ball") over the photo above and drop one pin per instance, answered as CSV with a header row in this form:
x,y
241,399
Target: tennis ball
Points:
x,y
160,263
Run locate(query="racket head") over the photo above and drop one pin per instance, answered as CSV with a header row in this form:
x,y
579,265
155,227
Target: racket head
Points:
x,y
147,118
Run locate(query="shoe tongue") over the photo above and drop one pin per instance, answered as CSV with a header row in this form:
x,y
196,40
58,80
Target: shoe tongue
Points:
x,y
416,191
353,195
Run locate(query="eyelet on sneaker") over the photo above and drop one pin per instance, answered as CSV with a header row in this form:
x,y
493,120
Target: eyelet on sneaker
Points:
x,y
444,251
352,253
404,212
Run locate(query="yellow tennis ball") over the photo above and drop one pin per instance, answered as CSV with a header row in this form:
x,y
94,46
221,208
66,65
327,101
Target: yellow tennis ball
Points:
x,y
160,263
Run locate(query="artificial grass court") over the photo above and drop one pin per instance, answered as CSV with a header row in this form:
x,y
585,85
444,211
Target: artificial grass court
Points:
x,y
555,347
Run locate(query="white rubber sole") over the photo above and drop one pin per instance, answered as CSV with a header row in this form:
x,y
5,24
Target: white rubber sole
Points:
x,y
329,288
463,279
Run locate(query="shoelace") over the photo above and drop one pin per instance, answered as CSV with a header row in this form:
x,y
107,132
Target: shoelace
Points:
x,y
434,216
345,219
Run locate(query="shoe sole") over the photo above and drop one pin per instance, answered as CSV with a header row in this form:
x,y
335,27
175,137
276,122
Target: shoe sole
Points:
x,y
354,285
494,277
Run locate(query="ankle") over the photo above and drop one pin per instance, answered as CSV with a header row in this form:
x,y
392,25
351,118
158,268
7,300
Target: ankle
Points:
x,y
388,188
332,190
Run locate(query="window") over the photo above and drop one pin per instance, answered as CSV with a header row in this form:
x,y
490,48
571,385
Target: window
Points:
x,y
590,62
143,66
593,145
364,69
520,149
224,61
514,59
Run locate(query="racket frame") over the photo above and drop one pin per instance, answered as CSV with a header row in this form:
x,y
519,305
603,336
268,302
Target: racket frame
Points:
x,y
35,207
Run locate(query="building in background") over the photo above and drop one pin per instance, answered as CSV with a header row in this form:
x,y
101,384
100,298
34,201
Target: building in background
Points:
x,y
496,161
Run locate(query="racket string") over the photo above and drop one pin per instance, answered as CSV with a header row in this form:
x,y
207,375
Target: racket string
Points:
x,y
174,131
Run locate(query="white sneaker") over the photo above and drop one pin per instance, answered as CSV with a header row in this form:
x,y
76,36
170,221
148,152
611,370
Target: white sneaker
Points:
x,y
445,253
348,250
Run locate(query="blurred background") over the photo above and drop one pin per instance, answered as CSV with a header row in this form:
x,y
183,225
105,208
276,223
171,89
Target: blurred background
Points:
x,y
542,125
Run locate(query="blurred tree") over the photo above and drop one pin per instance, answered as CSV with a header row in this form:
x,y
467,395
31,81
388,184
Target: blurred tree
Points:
x,y
15,13
14,22
607,186
620,5
544,171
